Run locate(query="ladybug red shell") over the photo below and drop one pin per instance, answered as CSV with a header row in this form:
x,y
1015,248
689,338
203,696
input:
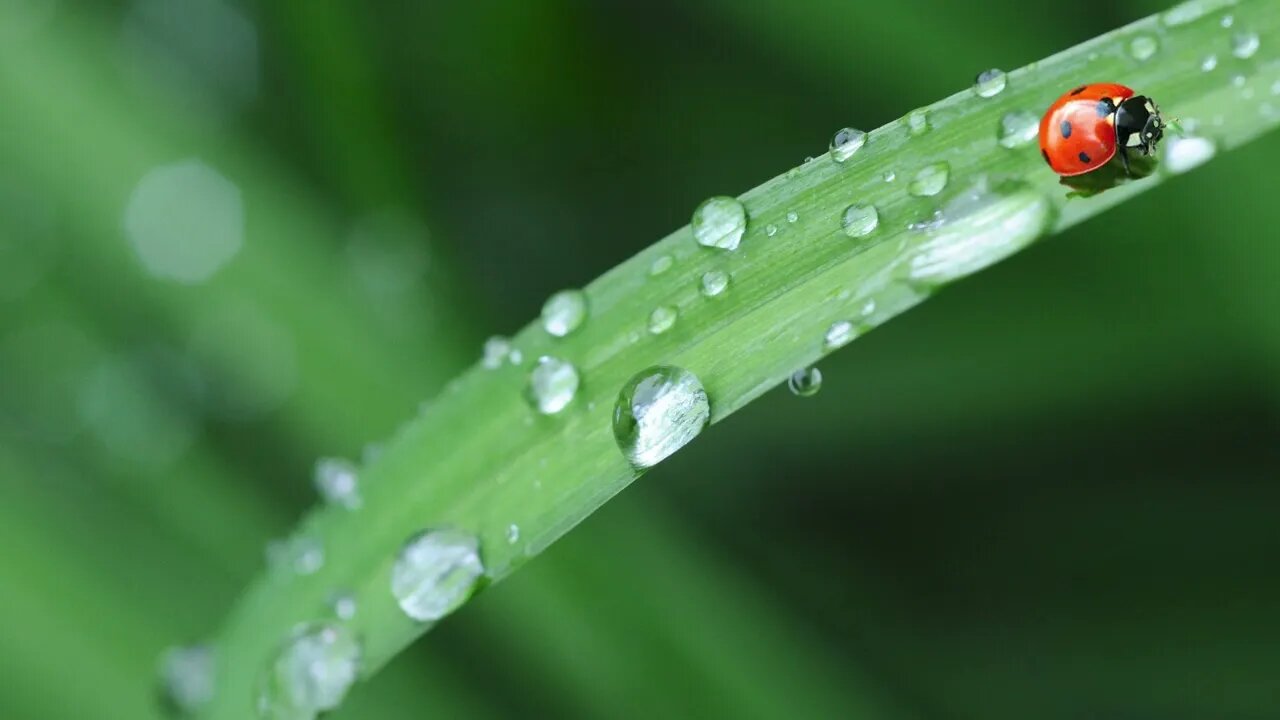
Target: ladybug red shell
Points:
x,y
1082,130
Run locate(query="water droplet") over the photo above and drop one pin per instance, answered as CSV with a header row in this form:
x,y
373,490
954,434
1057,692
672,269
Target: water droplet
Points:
x,y
185,221
435,573
918,122
1143,48
1018,128
659,411
771,230
1209,63
343,605
792,216
516,357
868,308
805,382
977,229
714,282
300,554
990,83
311,673
846,142
841,333
662,319
513,533
552,384
930,180
337,481
1228,20
1238,81
860,220
1275,88
564,312
661,265
496,351
187,677
889,176
719,222
1192,10
1184,153
1245,44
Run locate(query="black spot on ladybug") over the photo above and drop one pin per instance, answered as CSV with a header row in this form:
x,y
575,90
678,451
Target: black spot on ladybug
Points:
x,y
1079,90
1105,107
1045,153
1084,158
1066,128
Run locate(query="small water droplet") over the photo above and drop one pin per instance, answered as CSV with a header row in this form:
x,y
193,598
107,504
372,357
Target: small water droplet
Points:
x,y
977,229
516,357
513,534
1238,81
187,677
771,230
311,673
435,573
719,222
564,312
300,554
338,482
792,216
868,308
846,142
662,319
1018,129
1143,48
805,382
1209,63
889,176
1245,44
552,384
659,411
1228,20
1275,88
661,265
1184,153
841,333
714,282
343,605
808,159
990,83
918,121
860,220
844,294
496,351
930,180
1192,10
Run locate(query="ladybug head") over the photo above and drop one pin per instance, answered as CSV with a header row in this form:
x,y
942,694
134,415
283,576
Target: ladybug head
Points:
x,y
1139,117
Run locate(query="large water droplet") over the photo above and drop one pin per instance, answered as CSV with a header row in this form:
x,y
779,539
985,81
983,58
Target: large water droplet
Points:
x,y
311,673
662,319
659,411
930,180
662,264
496,351
860,220
918,121
552,384
846,142
714,282
187,677
1143,48
1184,153
338,482
841,333
1209,63
564,312
719,222
1245,44
435,573
1018,129
977,229
805,382
990,83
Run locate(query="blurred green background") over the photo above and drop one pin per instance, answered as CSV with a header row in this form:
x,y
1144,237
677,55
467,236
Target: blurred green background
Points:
x,y
1049,492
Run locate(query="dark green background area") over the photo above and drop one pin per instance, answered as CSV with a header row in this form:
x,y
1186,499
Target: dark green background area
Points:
x,y
1049,492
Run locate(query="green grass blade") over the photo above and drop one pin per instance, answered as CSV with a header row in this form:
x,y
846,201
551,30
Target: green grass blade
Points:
x,y
480,459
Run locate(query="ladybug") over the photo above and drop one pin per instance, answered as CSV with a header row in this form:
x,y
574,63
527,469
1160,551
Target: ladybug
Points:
x,y
1082,130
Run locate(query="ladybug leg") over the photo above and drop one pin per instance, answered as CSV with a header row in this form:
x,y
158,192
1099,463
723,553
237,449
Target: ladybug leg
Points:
x,y
1124,157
